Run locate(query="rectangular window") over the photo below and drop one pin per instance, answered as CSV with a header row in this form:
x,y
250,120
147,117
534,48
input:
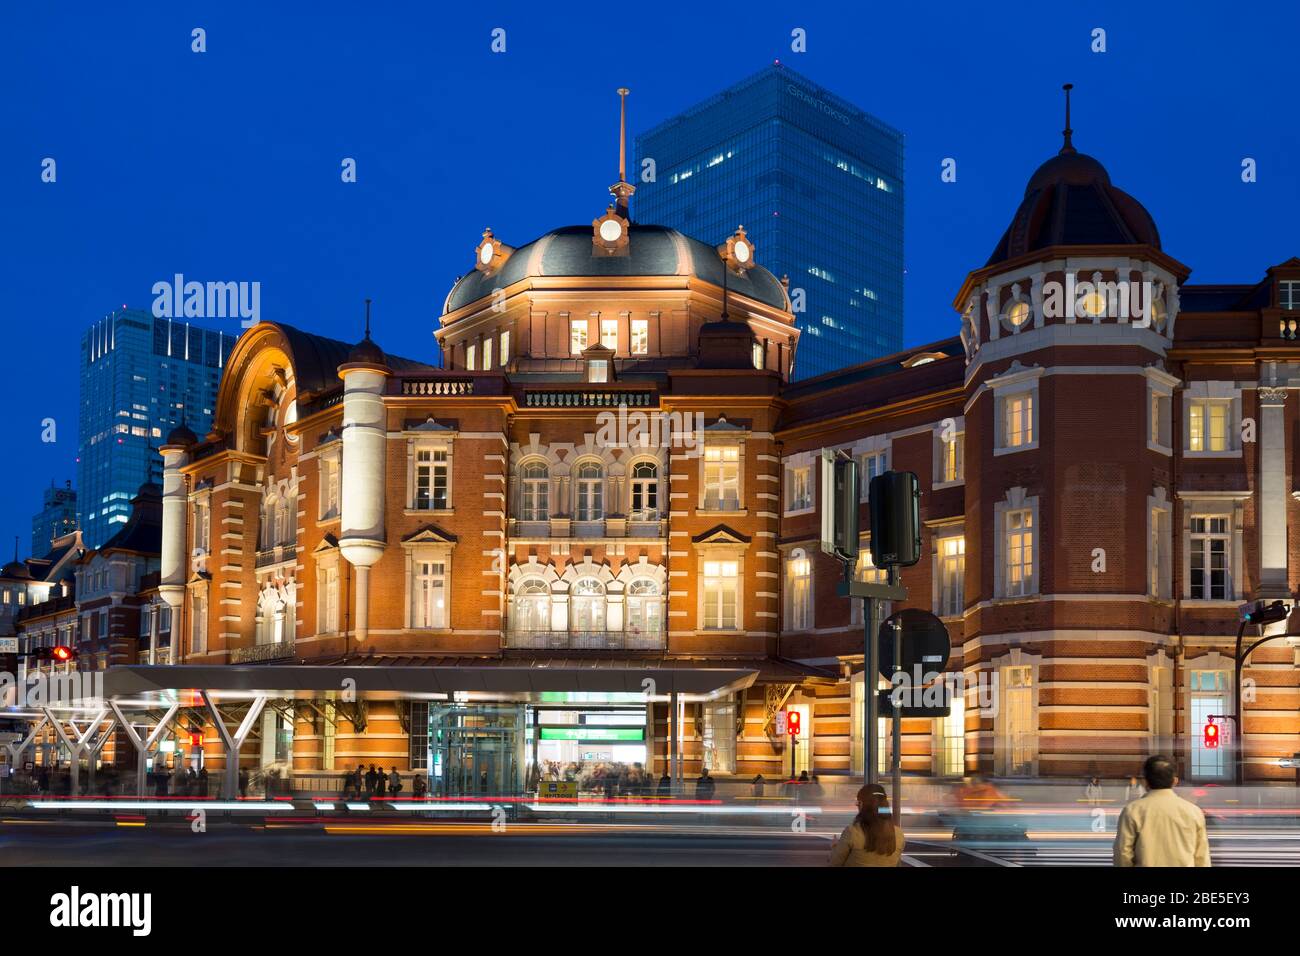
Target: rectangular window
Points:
x,y
577,336
1159,419
952,454
951,752
1207,425
431,479
871,464
430,595
328,598
718,735
758,355
640,344
721,588
798,487
1209,558
722,478
1158,576
329,487
202,526
198,624
798,576
505,347
1018,420
952,575
1288,294
487,355
1019,532
609,333
419,735
471,357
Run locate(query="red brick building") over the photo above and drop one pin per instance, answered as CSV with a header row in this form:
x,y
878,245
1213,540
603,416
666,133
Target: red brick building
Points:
x,y
613,470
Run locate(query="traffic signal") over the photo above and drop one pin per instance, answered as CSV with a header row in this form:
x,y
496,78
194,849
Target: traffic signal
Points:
x,y
1261,613
1211,737
60,654
895,499
792,723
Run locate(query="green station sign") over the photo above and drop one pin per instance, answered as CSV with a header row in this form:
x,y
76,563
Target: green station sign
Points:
x,y
583,732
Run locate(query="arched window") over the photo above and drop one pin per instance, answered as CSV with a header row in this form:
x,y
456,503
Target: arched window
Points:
x,y
590,491
536,492
587,605
645,608
645,492
532,611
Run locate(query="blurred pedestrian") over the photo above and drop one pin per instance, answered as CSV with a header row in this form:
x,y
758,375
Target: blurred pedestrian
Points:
x,y
420,787
757,786
371,778
1092,792
871,839
1134,790
394,783
705,786
381,783
665,786
1161,829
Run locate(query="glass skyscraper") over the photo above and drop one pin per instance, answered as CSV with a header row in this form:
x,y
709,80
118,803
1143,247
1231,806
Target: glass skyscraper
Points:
x,y
818,186
57,517
140,376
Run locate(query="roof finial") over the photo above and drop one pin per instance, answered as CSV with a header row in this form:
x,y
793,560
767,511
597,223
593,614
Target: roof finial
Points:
x,y
1068,147
622,189
367,318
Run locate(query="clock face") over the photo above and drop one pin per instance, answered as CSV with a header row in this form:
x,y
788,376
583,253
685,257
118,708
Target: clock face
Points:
x,y
741,250
486,253
610,230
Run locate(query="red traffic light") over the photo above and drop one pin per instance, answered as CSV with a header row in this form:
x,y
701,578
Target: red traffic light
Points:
x,y
62,653
196,740
1211,736
792,723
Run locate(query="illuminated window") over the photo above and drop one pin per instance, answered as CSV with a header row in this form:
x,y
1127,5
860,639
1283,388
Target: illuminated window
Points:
x,y
640,344
536,492
951,558
487,355
609,333
798,591
718,735
430,595
577,336
1207,425
471,357
722,478
871,464
1017,314
950,733
505,347
327,598
721,595
758,351
645,608
645,492
431,479
1018,420
1019,537
587,606
952,453
589,487
532,606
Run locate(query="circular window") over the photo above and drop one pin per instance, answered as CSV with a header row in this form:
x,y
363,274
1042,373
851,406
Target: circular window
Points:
x,y
741,249
485,254
1093,304
1017,314
1158,313
610,230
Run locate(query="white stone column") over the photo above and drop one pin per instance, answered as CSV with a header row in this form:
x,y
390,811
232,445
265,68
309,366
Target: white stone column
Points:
x,y
361,537
175,508
1272,494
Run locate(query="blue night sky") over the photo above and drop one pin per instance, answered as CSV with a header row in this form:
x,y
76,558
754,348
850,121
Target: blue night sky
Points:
x,y
225,165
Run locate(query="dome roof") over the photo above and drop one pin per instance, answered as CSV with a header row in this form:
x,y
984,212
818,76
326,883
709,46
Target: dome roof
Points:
x,y
366,352
16,571
1070,201
653,251
181,435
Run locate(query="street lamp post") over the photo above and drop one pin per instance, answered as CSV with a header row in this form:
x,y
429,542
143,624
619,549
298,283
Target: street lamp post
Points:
x,y
1261,614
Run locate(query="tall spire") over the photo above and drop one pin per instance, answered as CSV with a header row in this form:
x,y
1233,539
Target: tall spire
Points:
x,y
1068,147
622,190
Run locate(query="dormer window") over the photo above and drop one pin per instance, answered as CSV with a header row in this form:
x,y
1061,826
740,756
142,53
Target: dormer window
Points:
x,y
1288,295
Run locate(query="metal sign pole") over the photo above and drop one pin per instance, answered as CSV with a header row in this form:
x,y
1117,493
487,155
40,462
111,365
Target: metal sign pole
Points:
x,y
870,678
896,804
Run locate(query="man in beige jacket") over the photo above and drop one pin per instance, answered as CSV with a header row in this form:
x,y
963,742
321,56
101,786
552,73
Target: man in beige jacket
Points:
x,y
1161,828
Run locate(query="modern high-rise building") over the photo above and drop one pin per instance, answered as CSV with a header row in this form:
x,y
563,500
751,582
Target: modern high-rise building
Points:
x,y
141,376
57,517
818,186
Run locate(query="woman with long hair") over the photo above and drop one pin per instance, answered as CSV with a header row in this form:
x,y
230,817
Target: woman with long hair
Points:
x,y
872,839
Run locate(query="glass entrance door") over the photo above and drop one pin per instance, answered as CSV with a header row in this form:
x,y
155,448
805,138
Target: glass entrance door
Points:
x,y
476,749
